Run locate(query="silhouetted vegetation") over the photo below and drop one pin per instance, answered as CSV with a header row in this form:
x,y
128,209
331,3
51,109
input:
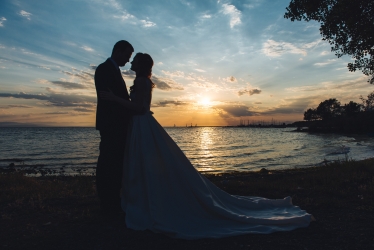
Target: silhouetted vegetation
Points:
x,y
331,116
347,25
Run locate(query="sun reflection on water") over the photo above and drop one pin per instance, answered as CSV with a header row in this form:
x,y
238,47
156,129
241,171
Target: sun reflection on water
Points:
x,y
210,149
206,141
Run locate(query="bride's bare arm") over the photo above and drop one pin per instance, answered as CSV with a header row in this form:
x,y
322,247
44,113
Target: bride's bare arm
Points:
x,y
137,104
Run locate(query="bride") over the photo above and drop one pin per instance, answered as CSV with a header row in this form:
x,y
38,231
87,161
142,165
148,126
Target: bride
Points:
x,y
164,193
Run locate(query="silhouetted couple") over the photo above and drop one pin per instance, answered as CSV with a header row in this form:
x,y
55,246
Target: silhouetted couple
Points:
x,y
143,172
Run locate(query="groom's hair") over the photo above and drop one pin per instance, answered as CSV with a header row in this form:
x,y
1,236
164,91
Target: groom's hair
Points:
x,y
122,45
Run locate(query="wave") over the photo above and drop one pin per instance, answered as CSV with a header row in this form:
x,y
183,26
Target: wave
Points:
x,y
229,149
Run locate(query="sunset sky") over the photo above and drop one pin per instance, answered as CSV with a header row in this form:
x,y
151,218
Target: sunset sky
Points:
x,y
216,62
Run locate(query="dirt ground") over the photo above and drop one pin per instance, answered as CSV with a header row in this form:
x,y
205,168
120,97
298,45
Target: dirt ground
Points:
x,y
59,212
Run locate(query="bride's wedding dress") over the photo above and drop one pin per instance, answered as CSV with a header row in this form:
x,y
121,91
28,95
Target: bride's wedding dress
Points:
x,y
164,193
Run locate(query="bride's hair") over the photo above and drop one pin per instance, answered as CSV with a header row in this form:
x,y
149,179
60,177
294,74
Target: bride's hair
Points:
x,y
144,64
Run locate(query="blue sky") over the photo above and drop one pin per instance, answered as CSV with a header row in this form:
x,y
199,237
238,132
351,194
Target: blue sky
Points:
x,y
216,62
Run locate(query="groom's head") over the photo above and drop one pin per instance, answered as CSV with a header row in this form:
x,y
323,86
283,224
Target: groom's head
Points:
x,y
122,52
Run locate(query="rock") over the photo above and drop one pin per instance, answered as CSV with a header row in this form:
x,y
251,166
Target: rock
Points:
x,y
11,165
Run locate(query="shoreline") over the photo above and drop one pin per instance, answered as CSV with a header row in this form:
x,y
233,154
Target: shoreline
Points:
x,y
36,171
62,212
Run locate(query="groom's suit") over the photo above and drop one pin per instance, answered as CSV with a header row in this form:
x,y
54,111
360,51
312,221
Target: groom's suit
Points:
x,y
111,120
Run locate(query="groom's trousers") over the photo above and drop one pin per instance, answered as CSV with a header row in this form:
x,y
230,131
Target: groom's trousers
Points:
x,y
109,169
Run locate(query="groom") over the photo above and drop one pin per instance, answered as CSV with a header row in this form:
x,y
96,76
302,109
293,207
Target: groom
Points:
x,y
111,120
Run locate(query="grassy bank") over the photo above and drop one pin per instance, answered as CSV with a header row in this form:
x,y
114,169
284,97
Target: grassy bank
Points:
x,y
62,212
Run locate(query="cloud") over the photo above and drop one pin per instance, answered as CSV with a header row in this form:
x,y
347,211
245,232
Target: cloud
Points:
x,y
162,83
85,75
121,13
25,14
252,4
291,106
2,19
22,95
86,48
206,16
311,44
200,70
69,85
233,12
57,99
234,110
124,16
207,86
325,63
57,113
92,66
114,4
19,61
275,49
348,85
230,79
17,55
169,103
173,74
166,84
84,110
65,100
147,24
341,68
249,92
45,67
249,6
85,79
28,52
196,82
33,59
15,106
128,73
323,53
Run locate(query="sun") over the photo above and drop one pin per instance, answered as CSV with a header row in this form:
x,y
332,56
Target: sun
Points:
x,y
206,102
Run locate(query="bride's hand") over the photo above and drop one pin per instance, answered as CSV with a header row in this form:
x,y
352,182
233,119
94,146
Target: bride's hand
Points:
x,y
107,95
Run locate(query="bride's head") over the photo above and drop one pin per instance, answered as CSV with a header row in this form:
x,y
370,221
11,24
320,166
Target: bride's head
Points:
x,y
144,64
135,62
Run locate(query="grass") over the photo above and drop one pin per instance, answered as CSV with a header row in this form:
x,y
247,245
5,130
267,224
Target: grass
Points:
x,y
62,212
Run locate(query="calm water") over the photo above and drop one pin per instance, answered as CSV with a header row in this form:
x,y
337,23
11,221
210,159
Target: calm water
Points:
x,y
213,149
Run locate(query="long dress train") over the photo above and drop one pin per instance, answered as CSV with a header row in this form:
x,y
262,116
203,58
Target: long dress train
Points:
x,y
164,193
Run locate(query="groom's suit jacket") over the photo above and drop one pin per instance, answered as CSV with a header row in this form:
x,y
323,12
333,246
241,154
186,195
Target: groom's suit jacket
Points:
x,y
111,116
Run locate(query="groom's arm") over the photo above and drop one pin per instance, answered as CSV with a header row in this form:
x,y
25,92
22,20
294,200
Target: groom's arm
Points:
x,y
135,107
102,81
106,114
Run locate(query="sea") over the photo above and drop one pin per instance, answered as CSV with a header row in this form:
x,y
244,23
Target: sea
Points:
x,y
74,151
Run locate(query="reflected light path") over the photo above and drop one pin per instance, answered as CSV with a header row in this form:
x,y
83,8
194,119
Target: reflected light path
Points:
x,y
218,149
210,149
206,141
